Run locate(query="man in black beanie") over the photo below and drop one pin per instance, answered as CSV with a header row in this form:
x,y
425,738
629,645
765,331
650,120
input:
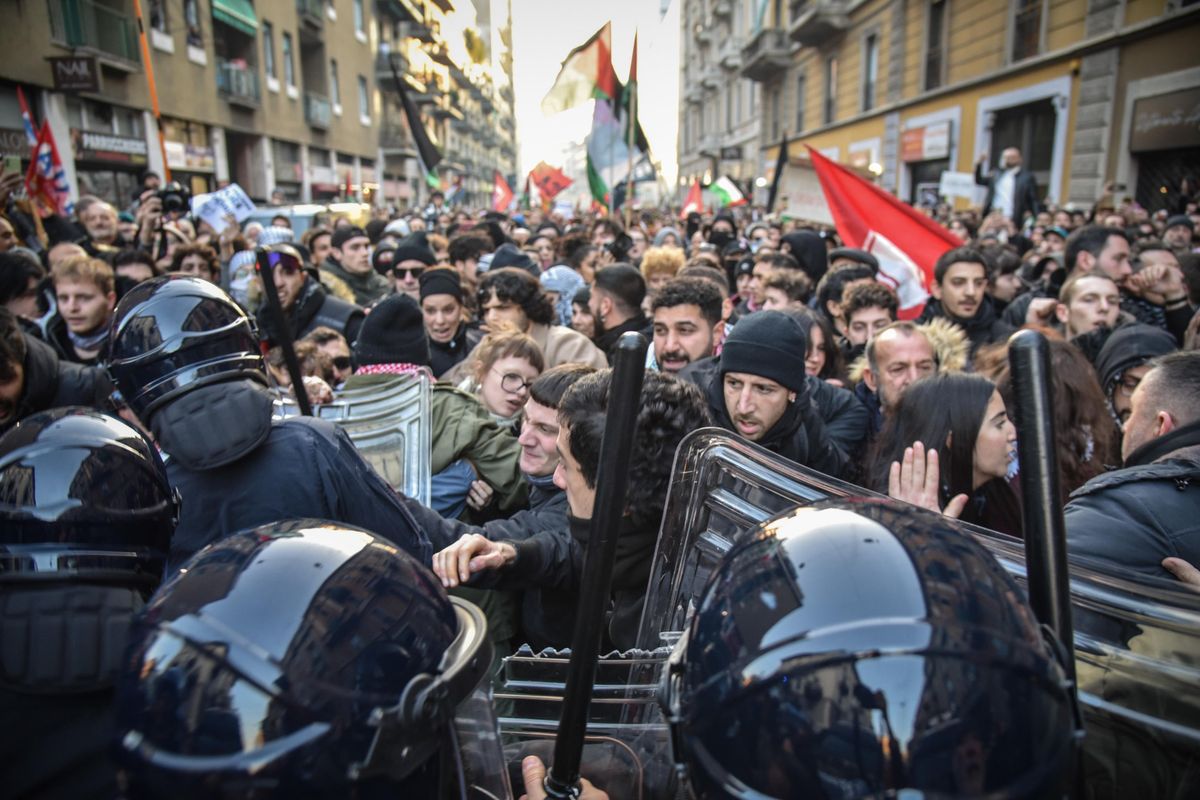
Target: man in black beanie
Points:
x,y
507,255
450,337
412,257
350,260
758,389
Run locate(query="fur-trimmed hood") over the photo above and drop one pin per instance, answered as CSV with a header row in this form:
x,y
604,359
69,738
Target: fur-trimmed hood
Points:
x,y
950,343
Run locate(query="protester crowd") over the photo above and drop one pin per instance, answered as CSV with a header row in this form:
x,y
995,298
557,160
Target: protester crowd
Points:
x,y
770,329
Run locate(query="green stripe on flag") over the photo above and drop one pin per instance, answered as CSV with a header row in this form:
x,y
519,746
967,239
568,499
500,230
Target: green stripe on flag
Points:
x,y
596,183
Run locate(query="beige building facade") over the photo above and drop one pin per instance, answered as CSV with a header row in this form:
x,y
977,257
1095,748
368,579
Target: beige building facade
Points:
x,y
1092,91
283,97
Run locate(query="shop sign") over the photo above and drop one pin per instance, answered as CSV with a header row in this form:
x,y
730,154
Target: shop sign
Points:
x,y
322,175
1166,122
74,73
190,157
731,153
108,147
958,184
926,143
13,142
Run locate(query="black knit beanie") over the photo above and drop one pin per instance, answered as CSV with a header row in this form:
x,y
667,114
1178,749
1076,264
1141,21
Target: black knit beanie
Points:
x,y
769,344
414,247
393,333
441,281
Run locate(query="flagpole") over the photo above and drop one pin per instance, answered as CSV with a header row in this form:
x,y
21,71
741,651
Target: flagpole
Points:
x,y
633,99
162,141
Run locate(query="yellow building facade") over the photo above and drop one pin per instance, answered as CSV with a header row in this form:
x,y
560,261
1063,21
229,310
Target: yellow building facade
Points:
x,y
1091,91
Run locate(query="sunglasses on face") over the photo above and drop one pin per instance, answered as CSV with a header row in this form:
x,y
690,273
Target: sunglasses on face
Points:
x,y
404,272
286,263
341,362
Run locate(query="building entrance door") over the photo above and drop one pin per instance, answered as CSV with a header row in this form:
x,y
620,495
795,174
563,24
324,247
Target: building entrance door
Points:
x,y
1030,128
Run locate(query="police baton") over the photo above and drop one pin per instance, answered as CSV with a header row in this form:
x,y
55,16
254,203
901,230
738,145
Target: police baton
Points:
x,y
266,272
1045,531
612,480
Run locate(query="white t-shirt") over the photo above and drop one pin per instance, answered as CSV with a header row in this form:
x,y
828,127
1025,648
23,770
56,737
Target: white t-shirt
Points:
x,y
1005,195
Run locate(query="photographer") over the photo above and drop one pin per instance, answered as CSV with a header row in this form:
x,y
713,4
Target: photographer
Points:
x,y
158,216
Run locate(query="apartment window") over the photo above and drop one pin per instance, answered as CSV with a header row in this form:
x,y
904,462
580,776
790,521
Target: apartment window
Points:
x,y
359,17
335,91
935,44
801,100
729,106
268,34
158,15
870,72
364,102
289,66
831,80
1027,29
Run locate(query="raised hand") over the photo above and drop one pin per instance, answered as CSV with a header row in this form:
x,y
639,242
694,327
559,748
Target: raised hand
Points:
x,y
916,479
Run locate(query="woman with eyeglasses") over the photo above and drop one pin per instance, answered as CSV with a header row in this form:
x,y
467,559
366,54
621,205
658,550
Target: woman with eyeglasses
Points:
x,y
503,367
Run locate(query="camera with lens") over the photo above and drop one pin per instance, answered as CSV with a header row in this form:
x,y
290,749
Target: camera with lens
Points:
x,y
175,197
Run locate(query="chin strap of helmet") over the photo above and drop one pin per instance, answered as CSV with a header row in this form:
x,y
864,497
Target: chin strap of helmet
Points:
x,y
64,638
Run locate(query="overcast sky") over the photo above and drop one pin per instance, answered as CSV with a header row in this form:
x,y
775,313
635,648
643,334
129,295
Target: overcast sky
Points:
x,y
544,31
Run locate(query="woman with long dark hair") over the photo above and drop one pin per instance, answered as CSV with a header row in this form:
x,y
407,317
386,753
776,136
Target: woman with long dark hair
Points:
x,y
947,446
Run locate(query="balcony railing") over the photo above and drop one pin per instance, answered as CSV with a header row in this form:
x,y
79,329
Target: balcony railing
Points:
x,y
311,13
83,23
318,112
767,55
238,82
393,135
815,22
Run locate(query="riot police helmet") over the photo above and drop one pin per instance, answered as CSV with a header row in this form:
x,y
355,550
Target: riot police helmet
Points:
x,y
83,497
176,333
306,659
859,648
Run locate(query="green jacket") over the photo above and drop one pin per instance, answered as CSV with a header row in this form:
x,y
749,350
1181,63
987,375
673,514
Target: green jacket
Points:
x,y
368,288
462,428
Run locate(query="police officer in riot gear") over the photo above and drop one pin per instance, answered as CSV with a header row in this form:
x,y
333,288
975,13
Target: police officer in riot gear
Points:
x,y
307,659
86,515
854,649
186,358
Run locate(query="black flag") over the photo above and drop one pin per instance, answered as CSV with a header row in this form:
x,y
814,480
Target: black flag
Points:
x,y
430,157
779,165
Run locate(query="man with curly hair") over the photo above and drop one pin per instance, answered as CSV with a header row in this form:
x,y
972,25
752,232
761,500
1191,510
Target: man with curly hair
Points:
x,y
669,410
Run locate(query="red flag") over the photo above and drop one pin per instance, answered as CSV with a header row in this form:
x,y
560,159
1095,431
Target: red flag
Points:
x,y
549,180
502,194
45,181
694,201
906,242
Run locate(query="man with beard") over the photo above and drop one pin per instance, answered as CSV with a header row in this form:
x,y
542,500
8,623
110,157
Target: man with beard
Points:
x,y
350,259
84,289
450,337
616,304
305,302
687,318
960,280
758,389
896,356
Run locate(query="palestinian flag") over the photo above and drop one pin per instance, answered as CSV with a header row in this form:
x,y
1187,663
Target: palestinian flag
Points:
x,y
596,183
587,74
727,192
627,108
694,201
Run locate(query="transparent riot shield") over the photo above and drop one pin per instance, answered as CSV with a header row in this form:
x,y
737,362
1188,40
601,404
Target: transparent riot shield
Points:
x,y
389,425
1137,641
627,749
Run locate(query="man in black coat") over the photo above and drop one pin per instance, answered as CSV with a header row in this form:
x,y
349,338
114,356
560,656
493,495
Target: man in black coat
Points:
x,y
669,409
758,389
1011,189
1136,517
960,280
542,533
33,378
616,305
306,303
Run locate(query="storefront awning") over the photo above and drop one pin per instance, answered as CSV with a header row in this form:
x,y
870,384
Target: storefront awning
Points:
x,y
237,14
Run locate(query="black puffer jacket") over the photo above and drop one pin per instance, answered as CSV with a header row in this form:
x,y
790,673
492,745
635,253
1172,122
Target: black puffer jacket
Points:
x,y
52,383
1133,518
825,434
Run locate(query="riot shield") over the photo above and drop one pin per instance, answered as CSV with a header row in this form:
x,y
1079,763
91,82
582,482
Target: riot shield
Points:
x,y
627,750
1137,642
389,425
